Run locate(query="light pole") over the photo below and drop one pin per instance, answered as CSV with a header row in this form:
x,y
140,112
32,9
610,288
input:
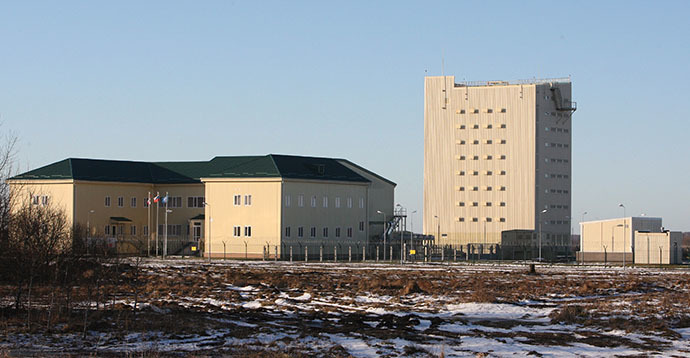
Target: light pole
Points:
x,y
624,234
384,233
402,236
438,228
543,211
210,220
165,234
412,231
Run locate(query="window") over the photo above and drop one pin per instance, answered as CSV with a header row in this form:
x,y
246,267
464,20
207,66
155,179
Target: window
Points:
x,y
503,203
475,173
503,141
475,142
503,157
300,231
173,230
476,157
236,231
361,203
312,231
489,157
488,188
488,203
462,172
489,126
475,220
146,202
503,188
133,230
489,141
361,226
287,231
489,110
106,230
475,188
462,111
475,204
133,202
175,202
461,142
248,231
107,201
462,203
461,220
502,220
337,232
476,110
325,232
45,200
476,126
34,200
503,110
503,126
462,126
462,188
287,201
462,157
349,203
325,201
248,202
313,201
488,220
195,201
337,201
300,200
120,201
145,229
238,200
349,232
503,172
489,172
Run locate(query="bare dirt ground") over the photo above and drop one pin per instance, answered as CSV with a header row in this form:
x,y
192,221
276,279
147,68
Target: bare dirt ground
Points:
x,y
193,308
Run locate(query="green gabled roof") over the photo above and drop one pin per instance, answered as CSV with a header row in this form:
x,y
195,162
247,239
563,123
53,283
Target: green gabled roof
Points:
x,y
267,166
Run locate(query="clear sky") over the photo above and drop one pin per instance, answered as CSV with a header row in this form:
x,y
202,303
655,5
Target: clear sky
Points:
x,y
189,80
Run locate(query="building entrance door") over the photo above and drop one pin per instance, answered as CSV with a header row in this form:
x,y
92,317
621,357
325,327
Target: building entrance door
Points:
x,y
196,231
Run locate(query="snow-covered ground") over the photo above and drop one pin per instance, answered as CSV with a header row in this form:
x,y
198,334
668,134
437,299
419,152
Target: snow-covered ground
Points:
x,y
371,310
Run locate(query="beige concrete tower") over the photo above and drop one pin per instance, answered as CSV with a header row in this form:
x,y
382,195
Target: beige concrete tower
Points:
x,y
496,154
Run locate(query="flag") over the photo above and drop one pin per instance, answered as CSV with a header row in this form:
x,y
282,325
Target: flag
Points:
x,y
165,199
156,198
148,202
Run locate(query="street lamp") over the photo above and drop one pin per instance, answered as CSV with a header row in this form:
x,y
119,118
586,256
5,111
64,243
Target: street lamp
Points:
x,y
402,236
165,233
384,233
412,231
624,234
210,220
543,211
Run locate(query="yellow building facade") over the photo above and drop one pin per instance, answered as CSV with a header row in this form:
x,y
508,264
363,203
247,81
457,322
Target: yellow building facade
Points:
x,y
257,206
497,157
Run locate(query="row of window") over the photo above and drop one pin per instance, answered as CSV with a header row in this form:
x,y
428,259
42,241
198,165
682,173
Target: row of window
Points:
x,y
556,191
474,203
476,157
324,201
237,199
485,172
556,129
476,111
476,126
554,114
556,145
559,207
559,176
237,230
485,188
120,229
476,141
44,200
556,160
173,202
461,219
324,231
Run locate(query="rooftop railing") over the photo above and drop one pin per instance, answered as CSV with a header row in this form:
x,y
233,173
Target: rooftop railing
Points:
x,y
531,81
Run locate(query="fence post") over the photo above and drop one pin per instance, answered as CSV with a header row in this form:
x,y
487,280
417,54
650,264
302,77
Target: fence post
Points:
x,y
290,253
306,253
364,253
391,255
321,253
275,257
443,251
404,258
426,257
455,255
377,253
335,253
349,253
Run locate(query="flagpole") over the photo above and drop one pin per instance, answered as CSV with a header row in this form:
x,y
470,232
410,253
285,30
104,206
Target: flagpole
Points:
x,y
148,224
157,233
165,230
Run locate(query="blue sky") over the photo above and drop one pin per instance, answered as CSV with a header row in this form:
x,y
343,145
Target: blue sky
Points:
x,y
183,80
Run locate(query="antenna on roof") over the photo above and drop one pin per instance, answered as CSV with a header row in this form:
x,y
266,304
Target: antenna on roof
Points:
x,y
445,84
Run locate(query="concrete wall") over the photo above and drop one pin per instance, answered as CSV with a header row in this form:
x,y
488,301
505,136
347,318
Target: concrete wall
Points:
x,y
516,114
263,216
612,236
658,248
